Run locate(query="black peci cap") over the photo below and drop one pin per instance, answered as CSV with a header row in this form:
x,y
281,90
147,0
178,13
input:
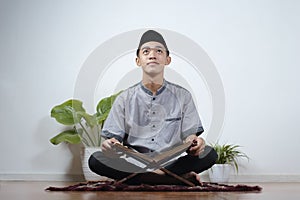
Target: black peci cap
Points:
x,y
152,36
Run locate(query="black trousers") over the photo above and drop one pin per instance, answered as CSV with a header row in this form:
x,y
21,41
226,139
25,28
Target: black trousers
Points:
x,y
117,168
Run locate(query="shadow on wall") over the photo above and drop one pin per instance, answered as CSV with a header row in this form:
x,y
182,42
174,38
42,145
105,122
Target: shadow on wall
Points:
x,y
61,161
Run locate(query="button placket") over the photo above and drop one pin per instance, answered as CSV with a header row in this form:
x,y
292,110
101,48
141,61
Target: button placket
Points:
x,y
152,113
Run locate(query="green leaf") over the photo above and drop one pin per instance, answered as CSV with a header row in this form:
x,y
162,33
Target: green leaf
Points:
x,y
69,112
70,136
101,117
104,106
228,154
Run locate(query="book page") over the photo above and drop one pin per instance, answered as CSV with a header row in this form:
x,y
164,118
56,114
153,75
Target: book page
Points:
x,y
160,158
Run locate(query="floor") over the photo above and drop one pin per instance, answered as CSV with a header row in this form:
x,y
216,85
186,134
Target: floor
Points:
x,y
15,190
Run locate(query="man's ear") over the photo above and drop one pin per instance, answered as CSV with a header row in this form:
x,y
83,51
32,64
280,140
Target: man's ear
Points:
x,y
168,61
137,61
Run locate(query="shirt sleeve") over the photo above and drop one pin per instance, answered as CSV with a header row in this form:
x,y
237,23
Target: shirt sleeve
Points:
x,y
191,123
114,125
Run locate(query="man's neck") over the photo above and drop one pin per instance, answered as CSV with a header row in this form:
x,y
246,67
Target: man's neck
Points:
x,y
153,84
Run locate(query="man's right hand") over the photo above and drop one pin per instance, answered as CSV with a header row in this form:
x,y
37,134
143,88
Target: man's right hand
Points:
x,y
107,144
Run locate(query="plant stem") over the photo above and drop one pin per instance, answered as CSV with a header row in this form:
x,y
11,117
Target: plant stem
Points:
x,y
88,135
84,141
98,135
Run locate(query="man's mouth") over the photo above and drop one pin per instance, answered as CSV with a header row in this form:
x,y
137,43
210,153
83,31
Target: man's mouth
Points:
x,y
152,63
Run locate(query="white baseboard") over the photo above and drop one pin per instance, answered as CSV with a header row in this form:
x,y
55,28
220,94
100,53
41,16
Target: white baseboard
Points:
x,y
259,178
78,177
266,178
41,177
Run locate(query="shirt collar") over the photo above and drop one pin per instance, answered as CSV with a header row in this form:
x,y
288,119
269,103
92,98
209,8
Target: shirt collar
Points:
x,y
159,91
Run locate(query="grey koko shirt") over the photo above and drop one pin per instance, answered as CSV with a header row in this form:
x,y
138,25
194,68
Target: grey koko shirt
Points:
x,y
153,123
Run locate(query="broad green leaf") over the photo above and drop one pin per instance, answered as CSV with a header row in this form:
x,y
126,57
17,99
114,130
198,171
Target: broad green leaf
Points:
x,y
101,117
70,136
67,112
105,104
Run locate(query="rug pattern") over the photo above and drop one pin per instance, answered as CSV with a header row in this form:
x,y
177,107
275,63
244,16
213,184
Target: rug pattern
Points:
x,y
110,186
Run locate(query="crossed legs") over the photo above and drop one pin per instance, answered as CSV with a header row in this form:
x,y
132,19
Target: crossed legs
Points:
x,y
186,166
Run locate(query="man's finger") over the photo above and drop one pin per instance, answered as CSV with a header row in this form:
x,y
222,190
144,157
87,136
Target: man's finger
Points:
x,y
113,140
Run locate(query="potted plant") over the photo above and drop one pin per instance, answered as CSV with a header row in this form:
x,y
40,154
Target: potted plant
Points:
x,y
227,158
82,127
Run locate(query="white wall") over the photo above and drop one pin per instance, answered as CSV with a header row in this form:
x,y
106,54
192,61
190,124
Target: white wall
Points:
x,y
253,44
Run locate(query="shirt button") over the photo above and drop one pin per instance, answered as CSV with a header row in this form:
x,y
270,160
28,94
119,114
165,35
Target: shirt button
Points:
x,y
153,112
153,98
153,125
152,139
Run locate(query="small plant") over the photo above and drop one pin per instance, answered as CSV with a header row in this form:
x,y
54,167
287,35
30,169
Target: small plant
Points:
x,y
81,126
228,154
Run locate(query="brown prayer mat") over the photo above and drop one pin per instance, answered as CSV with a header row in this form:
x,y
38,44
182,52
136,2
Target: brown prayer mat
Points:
x,y
110,186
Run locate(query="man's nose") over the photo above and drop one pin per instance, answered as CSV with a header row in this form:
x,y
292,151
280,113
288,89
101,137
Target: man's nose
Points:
x,y
152,58
152,54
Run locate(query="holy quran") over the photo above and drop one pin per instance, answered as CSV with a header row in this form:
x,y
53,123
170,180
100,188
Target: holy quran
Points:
x,y
158,159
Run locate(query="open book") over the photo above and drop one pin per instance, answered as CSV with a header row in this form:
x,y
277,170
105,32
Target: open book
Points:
x,y
158,159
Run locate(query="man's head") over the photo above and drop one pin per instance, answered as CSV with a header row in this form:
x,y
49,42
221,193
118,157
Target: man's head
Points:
x,y
152,54
152,36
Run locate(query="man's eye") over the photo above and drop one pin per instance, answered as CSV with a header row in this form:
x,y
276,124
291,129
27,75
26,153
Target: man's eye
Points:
x,y
145,51
159,51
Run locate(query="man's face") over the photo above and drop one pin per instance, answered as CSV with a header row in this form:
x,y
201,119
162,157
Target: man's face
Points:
x,y
153,58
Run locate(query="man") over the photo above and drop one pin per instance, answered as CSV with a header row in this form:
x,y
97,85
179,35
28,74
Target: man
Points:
x,y
151,117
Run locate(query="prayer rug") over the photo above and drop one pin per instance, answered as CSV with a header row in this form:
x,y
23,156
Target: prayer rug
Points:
x,y
110,186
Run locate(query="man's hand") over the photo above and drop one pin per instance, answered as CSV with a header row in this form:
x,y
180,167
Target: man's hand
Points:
x,y
197,147
107,147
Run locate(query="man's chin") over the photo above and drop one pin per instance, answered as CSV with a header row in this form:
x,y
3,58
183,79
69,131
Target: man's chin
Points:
x,y
152,73
153,65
